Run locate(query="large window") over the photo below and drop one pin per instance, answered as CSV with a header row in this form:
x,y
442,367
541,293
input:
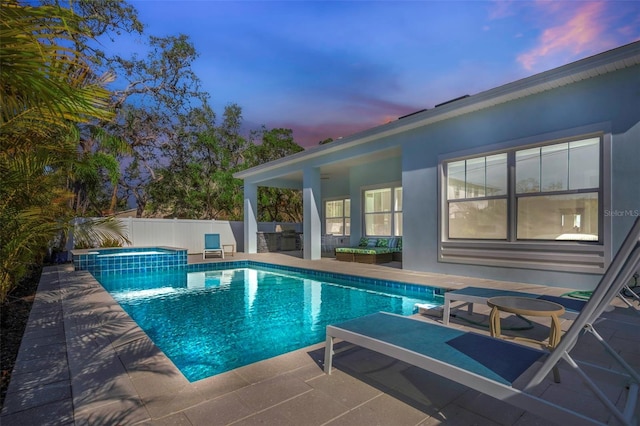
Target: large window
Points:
x,y
553,194
477,195
383,212
557,191
337,215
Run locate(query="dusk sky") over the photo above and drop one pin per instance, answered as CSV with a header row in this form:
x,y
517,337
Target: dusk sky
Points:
x,y
331,69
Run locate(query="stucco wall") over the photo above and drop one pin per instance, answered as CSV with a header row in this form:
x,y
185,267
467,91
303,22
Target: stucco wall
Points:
x,y
609,103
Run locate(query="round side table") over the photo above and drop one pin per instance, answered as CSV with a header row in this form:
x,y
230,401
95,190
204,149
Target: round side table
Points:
x,y
528,306
525,306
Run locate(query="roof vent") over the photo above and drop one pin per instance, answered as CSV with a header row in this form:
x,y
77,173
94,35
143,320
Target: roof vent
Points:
x,y
413,113
452,100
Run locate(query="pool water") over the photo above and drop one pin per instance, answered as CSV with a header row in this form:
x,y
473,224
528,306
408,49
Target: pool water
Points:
x,y
211,322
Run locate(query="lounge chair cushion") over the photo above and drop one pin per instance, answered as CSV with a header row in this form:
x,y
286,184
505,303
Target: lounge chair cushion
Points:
x,y
366,250
466,350
509,362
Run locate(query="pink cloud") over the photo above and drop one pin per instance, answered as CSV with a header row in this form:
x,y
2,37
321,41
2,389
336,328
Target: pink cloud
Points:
x,y
309,135
581,33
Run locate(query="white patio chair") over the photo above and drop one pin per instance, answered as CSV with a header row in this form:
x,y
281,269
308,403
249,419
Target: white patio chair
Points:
x,y
212,245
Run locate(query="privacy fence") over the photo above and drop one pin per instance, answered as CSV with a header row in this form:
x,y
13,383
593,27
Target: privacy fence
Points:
x,y
189,234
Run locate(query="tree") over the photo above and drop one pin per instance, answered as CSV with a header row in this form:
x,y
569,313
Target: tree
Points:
x,y
158,93
47,88
152,94
198,182
274,204
97,172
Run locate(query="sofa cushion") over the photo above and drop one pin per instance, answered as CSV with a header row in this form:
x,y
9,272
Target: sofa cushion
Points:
x,y
367,250
382,242
363,242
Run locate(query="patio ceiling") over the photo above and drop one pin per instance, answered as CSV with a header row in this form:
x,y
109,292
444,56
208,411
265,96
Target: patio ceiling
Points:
x,y
333,171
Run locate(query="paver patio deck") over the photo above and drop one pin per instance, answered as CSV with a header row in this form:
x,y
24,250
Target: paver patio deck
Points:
x,y
84,361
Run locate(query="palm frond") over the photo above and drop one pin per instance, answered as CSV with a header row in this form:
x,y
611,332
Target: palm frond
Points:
x,y
93,232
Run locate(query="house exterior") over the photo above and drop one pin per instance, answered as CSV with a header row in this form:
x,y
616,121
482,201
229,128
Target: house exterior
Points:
x,y
534,181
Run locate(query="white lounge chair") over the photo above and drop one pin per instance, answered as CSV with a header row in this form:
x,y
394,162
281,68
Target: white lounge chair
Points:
x,y
497,367
212,245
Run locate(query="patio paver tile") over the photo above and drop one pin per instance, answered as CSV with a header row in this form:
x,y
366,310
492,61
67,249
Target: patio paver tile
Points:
x,y
265,418
18,399
348,390
458,415
177,419
102,386
220,411
57,413
221,384
39,378
382,410
270,392
123,412
173,401
311,408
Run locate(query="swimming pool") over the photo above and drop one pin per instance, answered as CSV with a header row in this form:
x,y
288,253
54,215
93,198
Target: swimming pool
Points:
x,y
209,322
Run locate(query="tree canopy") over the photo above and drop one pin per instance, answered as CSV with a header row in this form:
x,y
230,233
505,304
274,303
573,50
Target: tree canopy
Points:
x,y
48,88
85,132
166,152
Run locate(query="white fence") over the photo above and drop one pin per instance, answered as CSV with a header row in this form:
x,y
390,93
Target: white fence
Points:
x,y
189,234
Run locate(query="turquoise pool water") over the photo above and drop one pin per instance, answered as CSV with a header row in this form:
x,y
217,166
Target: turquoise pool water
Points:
x,y
210,322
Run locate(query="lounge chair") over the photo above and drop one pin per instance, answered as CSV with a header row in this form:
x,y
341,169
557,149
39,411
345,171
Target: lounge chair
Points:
x,y
503,369
212,245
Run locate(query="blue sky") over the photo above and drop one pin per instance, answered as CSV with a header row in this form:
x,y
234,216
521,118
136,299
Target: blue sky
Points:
x,y
330,69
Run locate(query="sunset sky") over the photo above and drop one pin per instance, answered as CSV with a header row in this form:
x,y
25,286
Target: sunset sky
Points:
x,y
330,69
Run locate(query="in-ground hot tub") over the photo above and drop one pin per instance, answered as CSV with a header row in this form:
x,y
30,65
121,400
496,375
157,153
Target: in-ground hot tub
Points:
x,y
106,261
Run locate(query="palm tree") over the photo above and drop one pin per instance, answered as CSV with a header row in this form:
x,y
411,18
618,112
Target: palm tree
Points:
x,y
47,89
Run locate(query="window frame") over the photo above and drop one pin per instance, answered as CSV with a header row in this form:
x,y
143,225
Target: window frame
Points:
x,y
346,213
567,255
392,212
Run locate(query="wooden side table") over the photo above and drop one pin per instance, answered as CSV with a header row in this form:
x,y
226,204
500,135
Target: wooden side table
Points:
x,y
527,306
233,248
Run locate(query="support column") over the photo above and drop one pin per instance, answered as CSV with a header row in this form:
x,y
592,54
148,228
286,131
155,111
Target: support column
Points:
x,y
312,208
250,217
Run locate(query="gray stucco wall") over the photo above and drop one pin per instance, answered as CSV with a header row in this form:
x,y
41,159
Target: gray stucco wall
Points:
x,y
609,103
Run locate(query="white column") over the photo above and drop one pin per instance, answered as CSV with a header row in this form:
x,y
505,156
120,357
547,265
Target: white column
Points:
x,y
312,208
250,217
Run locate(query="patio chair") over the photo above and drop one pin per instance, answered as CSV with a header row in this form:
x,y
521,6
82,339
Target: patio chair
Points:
x,y
212,245
503,369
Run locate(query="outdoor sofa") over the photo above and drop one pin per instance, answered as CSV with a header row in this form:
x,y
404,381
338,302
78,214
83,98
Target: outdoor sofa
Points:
x,y
372,250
